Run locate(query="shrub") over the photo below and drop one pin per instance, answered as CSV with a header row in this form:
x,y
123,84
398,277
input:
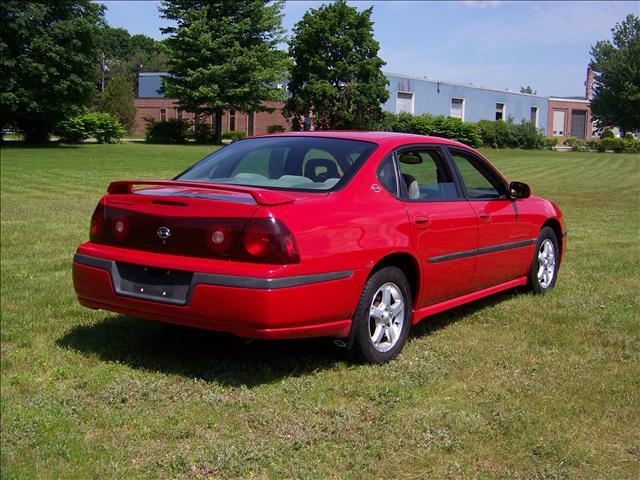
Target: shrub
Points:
x,y
103,126
607,134
576,144
73,130
500,134
203,133
497,134
275,128
170,131
453,128
233,135
550,142
527,136
608,143
631,145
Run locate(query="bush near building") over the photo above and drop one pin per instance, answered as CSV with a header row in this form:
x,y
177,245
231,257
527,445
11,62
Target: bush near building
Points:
x,y
499,134
104,127
437,126
607,143
233,135
169,131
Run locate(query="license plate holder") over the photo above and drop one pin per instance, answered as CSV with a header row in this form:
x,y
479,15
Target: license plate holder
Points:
x,y
152,283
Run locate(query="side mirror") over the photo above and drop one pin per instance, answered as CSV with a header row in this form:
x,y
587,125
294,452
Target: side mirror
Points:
x,y
519,190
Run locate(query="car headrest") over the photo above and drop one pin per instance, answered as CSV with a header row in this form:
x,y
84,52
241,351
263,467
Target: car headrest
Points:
x,y
413,189
310,169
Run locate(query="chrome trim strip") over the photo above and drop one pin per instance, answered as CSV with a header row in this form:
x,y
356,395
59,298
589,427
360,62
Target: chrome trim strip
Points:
x,y
258,283
480,251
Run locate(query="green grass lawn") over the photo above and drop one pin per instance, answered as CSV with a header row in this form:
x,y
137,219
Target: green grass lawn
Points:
x,y
517,386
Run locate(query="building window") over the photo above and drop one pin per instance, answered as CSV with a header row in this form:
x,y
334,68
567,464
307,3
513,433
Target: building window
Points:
x,y
163,114
178,113
500,108
534,116
457,108
404,102
232,120
558,123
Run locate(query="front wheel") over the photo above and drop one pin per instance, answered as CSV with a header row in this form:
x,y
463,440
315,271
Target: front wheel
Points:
x,y
383,316
544,267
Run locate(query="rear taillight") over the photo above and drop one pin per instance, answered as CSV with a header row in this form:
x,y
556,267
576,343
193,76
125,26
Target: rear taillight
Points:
x,y
260,240
96,230
268,240
120,229
220,239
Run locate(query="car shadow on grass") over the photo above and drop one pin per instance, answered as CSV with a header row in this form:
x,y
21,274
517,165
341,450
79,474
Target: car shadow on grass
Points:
x,y
442,320
201,354
226,359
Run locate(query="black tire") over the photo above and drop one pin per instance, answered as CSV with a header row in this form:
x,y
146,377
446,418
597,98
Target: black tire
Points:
x,y
362,322
535,284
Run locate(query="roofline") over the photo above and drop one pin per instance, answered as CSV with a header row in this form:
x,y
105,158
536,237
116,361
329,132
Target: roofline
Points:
x,y
574,100
434,80
466,85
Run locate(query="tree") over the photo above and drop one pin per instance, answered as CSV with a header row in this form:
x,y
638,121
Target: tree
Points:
x,y
224,56
117,99
337,71
616,67
128,55
528,90
48,56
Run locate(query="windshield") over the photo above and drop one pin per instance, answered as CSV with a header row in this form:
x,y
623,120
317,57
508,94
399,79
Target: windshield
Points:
x,y
281,162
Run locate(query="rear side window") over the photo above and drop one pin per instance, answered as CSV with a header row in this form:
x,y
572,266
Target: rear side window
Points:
x,y
387,176
289,163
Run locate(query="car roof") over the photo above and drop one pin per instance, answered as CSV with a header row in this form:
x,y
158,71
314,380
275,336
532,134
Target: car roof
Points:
x,y
375,137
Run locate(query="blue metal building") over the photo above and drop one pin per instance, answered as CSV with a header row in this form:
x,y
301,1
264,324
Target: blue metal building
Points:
x,y
149,84
470,103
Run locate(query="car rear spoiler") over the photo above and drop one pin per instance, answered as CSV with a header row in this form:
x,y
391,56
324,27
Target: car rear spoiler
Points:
x,y
260,196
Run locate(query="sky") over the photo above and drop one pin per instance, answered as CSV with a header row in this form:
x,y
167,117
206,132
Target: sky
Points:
x,y
496,44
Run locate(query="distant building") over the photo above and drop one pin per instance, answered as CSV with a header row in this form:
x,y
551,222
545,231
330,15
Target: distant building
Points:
x,y
571,116
152,104
554,116
470,103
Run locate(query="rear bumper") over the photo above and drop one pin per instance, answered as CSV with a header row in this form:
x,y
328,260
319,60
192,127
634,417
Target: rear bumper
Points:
x,y
253,307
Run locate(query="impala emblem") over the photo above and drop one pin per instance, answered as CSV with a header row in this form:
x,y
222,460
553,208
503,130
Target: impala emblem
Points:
x,y
163,233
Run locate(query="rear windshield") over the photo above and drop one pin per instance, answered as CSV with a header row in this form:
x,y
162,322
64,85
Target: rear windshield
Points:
x,y
290,163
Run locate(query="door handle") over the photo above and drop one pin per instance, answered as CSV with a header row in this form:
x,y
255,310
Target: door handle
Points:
x,y
484,216
421,220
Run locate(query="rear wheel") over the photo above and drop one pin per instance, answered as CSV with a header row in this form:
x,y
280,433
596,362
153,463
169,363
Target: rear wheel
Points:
x,y
544,267
383,316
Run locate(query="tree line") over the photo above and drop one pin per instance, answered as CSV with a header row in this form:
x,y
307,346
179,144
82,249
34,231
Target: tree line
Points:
x,y
59,59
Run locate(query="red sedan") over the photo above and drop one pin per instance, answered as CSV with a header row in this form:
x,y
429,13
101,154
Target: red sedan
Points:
x,y
351,235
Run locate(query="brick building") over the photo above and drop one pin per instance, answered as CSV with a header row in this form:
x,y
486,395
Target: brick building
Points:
x,y
152,104
571,116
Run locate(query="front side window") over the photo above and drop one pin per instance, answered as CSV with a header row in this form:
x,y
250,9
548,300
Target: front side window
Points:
x,y
424,176
479,181
290,163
